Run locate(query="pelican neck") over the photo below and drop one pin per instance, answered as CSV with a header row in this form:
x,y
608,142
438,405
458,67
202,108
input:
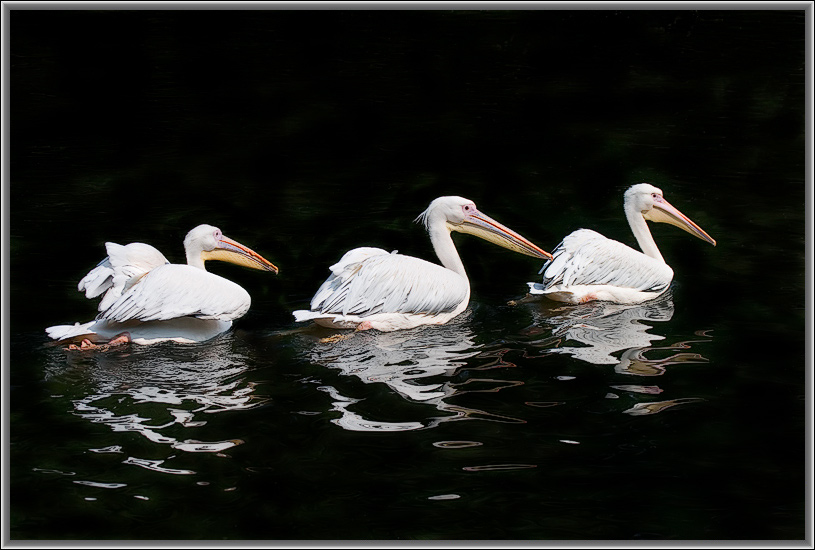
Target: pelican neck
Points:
x,y
445,248
639,227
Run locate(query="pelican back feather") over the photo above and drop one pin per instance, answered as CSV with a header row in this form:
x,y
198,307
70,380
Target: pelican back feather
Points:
x,y
173,290
372,281
586,257
121,269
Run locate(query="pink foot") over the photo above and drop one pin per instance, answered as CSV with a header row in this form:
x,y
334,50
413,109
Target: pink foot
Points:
x,y
118,340
83,345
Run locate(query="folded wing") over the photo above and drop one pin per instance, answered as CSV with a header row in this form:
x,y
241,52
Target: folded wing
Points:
x,y
370,281
170,291
585,257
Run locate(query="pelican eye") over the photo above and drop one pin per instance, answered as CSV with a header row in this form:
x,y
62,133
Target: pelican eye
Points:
x,y
217,234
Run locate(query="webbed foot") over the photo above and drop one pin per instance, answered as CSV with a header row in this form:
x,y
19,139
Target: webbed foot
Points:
x,y
120,339
336,338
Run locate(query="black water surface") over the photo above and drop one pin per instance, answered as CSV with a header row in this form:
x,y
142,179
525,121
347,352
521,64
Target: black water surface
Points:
x,y
304,134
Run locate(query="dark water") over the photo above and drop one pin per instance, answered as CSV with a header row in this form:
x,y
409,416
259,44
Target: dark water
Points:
x,y
305,134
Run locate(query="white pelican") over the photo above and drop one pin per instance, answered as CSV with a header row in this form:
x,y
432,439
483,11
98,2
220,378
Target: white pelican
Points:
x,y
588,266
147,299
369,288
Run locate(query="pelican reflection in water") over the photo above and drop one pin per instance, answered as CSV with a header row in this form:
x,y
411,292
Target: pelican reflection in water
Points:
x,y
417,365
605,328
618,334
158,394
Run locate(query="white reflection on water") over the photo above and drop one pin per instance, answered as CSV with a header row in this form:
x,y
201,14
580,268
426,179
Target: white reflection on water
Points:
x,y
606,328
158,391
410,362
401,359
355,422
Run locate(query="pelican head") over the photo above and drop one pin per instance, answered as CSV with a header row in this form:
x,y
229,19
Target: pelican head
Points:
x,y
460,214
206,242
648,201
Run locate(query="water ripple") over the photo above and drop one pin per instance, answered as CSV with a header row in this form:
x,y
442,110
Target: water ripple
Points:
x,y
51,471
418,365
602,328
544,404
653,390
110,449
641,409
451,496
154,390
456,444
101,485
495,467
155,465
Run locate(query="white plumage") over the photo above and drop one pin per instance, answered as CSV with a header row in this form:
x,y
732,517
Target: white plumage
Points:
x,y
390,283
171,291
587,266
370,288
155,300
123,267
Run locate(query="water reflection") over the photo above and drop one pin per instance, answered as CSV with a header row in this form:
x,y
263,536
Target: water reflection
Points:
x,y
604,328
641,409
164,393
635,362
616,334
418,365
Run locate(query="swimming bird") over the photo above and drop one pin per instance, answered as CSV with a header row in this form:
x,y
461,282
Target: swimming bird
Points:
x,y
372,289
587,266
147,299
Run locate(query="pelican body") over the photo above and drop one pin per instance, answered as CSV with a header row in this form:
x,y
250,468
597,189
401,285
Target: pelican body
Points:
x,y
370,288
587,266
153,300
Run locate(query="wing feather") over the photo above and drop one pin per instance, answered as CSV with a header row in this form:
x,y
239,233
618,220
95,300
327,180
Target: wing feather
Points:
x,y
378,282
121,269
170,291
587,258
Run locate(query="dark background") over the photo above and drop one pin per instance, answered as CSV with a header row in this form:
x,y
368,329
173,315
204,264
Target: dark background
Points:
x,y
303,134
